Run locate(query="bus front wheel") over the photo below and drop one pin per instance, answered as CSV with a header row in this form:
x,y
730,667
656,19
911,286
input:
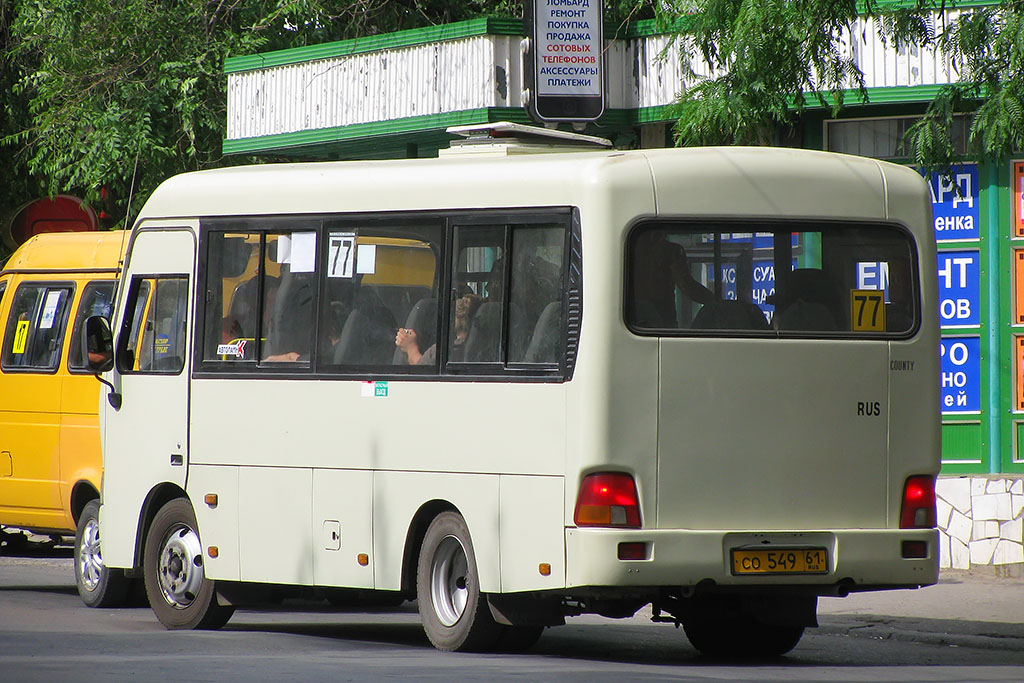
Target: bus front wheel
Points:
x,y
97,585
454,612
179,592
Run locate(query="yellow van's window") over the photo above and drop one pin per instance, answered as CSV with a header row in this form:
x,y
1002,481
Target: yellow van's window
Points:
x,y
35,327
97,299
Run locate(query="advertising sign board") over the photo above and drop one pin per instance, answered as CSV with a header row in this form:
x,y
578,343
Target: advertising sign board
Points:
x,y
961,374
565,59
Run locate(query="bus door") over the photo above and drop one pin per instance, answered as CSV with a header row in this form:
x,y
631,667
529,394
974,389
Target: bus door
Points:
x,y
146,440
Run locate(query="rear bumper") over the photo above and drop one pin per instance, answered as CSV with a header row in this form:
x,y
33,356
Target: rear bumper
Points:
x,y
857,559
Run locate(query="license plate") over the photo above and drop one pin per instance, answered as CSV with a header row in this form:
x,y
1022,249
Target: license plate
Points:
x,y
780,561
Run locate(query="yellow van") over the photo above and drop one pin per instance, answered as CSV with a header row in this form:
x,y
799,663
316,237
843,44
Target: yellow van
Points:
x,y
50,463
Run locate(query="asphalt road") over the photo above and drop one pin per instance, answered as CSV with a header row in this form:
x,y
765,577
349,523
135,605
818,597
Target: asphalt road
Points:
x,y
46,634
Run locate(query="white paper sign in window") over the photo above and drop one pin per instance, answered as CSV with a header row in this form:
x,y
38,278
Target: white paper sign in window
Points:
x,y
50,309
341,254
366,259
303,252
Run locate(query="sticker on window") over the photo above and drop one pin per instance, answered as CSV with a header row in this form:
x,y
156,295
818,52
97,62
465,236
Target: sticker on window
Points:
x,y
20,337
50,309
235,348
867,310
341,254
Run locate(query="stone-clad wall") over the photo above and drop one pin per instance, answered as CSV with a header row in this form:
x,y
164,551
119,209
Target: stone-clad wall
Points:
x,y
980,519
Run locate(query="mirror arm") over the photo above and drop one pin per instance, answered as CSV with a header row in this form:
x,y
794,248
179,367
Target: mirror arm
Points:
x,y
113,396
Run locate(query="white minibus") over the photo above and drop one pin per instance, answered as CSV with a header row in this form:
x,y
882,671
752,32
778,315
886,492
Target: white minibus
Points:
x,y
529,380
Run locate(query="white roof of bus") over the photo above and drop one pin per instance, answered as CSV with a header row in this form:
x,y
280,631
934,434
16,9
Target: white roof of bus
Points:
x,y
691,181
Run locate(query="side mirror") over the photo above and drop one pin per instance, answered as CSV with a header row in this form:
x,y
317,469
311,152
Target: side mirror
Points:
x,y
98,344
98,352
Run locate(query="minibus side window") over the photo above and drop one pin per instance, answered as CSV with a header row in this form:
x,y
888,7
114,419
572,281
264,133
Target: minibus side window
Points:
x,y
97,299
381,305
232,298
156,339
535,294
35,327
289,301
508,295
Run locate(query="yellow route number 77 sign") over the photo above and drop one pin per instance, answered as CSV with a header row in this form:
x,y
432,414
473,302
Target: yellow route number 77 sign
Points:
x,y
867,310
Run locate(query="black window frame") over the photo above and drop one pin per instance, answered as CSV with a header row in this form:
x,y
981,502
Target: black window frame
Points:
x,y
126,365
777,226
76,329
8,340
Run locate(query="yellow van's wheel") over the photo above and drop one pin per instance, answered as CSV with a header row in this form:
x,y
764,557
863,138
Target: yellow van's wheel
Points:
x,y
179,592
98,585
454,612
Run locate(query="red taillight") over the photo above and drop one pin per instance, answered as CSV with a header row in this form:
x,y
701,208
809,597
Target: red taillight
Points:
x,y
608,499
918,503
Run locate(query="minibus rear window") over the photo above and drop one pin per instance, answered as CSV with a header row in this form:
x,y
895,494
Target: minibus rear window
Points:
x,y
771,279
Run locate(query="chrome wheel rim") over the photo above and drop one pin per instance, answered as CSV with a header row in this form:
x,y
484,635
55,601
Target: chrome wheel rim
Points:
x,y
90,561
449,581
180,567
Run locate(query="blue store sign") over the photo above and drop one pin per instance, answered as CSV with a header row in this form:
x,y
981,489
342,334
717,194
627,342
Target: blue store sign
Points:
x,y
959,290
955,204
961,375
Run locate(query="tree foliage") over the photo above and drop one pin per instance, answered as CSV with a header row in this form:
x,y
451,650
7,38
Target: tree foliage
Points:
x,y
125,93
771,59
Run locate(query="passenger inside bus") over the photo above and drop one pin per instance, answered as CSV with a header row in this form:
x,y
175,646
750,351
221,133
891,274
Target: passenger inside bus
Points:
x,y
408,339
660,267
810,301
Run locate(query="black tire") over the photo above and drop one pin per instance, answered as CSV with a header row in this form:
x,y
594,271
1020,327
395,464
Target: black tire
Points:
x,y
741,640
98,585
454,612
179,592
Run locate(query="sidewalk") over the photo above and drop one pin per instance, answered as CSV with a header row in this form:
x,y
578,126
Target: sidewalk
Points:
x,y
970,595
967,608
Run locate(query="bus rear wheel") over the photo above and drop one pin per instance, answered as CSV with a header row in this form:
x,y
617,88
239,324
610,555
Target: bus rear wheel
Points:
x,y
454,612
179,592
98,586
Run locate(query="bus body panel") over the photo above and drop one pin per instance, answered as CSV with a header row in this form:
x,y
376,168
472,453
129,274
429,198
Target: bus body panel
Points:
x,y
342,522
275,538
417,426
612,398
397,496
862,559
767,182
730,424
532,536
218,521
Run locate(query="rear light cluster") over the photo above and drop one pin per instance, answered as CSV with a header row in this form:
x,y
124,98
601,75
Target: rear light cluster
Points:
x,y
608,499
918,503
